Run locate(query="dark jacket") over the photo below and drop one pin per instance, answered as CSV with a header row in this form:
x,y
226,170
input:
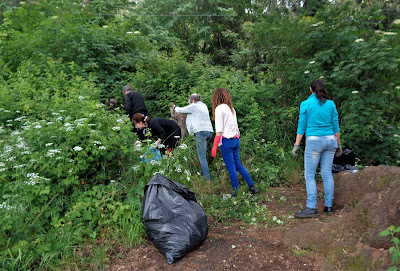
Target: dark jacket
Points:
x,y
134,103
164,129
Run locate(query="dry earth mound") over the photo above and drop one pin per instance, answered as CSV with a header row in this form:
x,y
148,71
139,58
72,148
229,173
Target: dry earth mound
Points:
x,y
367,203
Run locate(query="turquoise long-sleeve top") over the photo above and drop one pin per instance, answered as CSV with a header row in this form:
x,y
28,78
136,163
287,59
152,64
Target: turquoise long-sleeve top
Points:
x,y
318,119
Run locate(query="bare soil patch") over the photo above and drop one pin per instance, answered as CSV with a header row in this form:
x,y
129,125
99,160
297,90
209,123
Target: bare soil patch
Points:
x,y
366,203
237,246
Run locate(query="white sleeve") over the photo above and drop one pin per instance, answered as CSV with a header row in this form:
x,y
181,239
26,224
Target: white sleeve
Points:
x,y
219,120
185,110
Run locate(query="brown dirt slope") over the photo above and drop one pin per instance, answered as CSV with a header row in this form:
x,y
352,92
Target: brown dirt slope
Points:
x,y
370,202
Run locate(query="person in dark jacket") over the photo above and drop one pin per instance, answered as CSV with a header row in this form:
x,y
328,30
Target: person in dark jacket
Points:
x,y
166,131
134,102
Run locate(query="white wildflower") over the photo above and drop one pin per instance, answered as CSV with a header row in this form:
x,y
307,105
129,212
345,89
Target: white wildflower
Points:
x,y
120,121
112,181
116,128
81,98
359,40
92,115
129,32
274,218
77,148
187,172
397,21
188,178
4,205
100,105
183,146
55,114
96,142
136,32
307,72
48,144
389,33
354,91
312,62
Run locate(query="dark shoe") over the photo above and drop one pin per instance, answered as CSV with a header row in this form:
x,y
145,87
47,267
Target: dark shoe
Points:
x,y
307,213
328,210
253,189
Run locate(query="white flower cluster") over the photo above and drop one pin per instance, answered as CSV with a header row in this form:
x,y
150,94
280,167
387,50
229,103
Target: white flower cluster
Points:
x,y
77,148
183,146
4,205
51,153
178,167
34,178
116,128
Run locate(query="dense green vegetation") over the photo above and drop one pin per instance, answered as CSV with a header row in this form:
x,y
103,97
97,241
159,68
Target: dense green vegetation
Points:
x,y
69,171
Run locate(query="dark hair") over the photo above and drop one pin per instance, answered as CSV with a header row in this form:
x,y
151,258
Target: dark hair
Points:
x,y
139,117
221,96
318,88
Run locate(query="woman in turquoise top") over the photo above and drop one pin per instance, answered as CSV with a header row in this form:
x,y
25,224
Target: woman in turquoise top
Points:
x,y
318,120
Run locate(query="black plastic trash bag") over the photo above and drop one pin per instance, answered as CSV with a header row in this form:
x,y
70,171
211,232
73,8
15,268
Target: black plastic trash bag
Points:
x,y
348,157
345,162
174,221
348,168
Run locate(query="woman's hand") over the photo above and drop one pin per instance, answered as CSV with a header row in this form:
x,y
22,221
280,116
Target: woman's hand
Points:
x,y
217,139
295,148
338,150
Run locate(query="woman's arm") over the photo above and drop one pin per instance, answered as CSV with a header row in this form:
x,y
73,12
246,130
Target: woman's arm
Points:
x,y
298,139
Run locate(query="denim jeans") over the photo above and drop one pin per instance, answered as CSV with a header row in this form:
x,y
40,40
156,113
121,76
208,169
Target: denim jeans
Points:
x,y
319,150
202,139
230,154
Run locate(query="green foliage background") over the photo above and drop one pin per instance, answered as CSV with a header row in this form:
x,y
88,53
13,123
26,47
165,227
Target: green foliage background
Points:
x,y
69,171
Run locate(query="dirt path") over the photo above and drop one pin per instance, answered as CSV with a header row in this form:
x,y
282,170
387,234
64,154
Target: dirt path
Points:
x,y
238,246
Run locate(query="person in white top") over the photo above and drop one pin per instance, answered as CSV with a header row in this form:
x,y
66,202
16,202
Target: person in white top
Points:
x,y
198,123
227,137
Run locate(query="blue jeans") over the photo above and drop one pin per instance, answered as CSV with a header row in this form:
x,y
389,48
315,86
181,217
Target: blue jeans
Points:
x,y
202,138
319,149
230,154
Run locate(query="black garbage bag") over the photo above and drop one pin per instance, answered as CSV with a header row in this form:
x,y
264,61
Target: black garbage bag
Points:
x,y
174,221
349,168
348,157
345,162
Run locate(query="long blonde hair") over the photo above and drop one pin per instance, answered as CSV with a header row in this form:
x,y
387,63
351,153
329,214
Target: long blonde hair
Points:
x,y
221,96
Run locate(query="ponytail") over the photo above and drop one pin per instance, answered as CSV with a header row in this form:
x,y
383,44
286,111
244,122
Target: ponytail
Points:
x,y
318,88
